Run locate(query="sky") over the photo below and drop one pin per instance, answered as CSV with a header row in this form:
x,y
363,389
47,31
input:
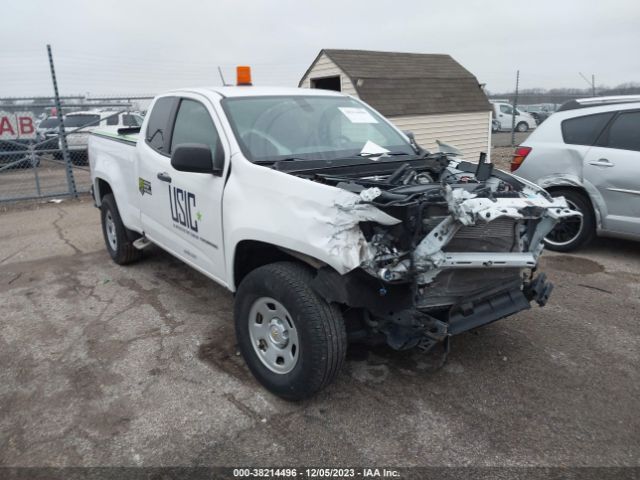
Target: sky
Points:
x,y
132,47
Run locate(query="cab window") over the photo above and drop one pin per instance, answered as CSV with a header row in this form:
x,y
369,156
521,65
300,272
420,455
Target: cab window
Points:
x,y
194,125
157,127
113,120
506,109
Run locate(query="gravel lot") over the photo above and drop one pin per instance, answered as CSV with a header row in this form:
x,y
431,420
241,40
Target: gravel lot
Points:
x,y
501,149
109,365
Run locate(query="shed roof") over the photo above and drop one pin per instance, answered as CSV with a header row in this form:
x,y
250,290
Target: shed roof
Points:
x,y
409,83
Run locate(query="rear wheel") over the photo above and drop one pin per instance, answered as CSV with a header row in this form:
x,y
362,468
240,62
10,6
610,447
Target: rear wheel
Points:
x,y
572,232
292,340
116,236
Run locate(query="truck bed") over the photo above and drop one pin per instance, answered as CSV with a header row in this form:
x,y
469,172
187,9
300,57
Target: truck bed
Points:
x,y
112,134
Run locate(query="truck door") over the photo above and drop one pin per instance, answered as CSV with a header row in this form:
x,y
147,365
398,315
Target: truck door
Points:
x,y
613,167
183,212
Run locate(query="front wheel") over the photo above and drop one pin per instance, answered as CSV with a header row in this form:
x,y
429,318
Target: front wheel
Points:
x,y
572,232
522,127
292,340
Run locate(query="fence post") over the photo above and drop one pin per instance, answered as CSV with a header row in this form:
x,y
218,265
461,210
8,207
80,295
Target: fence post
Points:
x,y
63,136
34,161
514,106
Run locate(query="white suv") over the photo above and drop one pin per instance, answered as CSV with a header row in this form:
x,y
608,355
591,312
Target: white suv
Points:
x,y
589,153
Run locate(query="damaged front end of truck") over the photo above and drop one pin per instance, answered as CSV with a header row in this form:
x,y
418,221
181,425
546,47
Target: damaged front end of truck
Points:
x,y
443,246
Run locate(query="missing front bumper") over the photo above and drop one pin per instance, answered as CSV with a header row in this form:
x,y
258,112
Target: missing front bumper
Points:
x,y
477,314
426,331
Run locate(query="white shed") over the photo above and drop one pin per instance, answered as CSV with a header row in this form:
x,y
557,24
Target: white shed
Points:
x,y
431,95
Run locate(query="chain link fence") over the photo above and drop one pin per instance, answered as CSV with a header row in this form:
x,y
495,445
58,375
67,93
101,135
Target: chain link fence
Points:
x,y
44,140
37,162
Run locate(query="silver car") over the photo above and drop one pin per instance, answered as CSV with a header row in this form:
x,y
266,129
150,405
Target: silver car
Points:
x,y
589,153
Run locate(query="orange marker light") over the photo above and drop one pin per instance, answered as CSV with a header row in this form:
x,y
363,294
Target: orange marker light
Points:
x,y
243,75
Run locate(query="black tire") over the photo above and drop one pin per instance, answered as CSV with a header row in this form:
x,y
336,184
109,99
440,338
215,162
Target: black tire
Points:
x,y
564,237
123,252
522,127
321,333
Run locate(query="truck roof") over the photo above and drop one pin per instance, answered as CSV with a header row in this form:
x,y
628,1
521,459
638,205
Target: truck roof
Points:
x,y
250,91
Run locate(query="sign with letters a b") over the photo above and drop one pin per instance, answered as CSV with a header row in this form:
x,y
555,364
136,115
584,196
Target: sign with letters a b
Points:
x,y
17,125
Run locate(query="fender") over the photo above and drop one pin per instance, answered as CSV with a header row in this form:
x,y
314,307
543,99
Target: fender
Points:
x,y
570,180
315,220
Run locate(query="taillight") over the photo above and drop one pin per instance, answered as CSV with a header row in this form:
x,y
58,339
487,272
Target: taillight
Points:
x,y
518,157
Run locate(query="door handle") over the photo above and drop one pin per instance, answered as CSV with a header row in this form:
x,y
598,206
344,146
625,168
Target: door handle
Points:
x,y
602,162
164,176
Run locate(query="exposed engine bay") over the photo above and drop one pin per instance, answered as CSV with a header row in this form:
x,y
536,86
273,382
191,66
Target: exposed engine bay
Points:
x,y
463,254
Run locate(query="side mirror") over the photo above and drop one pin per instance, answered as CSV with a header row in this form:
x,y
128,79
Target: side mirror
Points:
x,y
198,158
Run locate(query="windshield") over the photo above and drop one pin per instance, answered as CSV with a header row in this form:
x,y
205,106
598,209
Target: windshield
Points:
x,y
75,121
50,122
310,127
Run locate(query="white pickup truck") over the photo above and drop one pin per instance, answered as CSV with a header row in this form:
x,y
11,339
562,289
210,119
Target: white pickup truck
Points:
x,y
327,223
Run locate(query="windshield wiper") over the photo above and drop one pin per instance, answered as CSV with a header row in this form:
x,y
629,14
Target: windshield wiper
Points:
x,y
286,159
349,157
376,155
385,154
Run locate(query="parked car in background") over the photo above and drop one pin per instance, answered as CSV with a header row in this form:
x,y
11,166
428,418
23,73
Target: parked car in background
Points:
x,y
88,121
47,125
589,153
504,112
47,134
539,112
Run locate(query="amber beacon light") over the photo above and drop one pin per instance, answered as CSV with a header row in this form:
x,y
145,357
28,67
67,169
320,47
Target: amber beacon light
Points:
x,y
243,75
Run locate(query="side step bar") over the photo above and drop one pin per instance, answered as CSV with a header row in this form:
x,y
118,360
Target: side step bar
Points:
x,y
142,243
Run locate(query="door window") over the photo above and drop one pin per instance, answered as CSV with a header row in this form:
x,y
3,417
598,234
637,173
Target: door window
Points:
x,y
157,127
584,130
624,132
194,125
506,109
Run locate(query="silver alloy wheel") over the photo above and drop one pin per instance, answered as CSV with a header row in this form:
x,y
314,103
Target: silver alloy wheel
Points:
x,y
566,231
110,226
273,335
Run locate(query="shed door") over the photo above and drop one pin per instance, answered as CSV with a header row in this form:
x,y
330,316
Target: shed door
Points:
x,y
327,83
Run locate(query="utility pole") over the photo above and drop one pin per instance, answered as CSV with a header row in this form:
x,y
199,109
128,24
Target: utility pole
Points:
x,y
591,83
515,105
63,135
